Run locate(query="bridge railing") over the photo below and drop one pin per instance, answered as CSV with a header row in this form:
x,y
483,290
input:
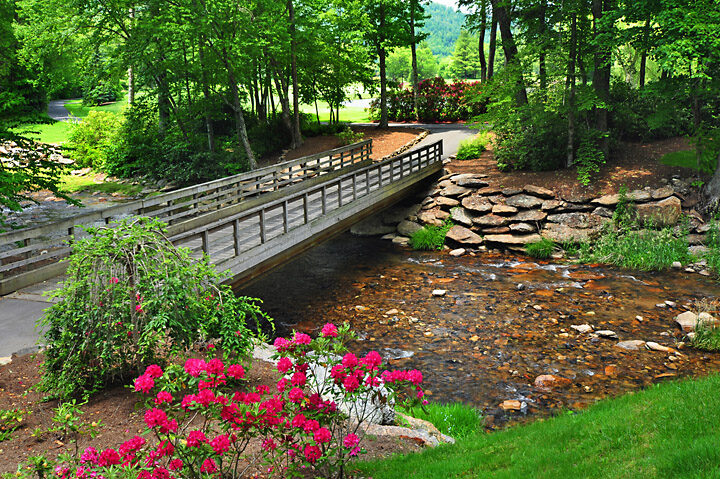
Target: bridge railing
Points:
x,y
259,224
34,252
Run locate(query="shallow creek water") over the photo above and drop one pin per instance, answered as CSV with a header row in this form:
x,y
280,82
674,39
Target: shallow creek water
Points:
x,y
504,321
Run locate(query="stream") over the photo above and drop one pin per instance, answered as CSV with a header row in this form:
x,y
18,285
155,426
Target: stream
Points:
x,y
504,320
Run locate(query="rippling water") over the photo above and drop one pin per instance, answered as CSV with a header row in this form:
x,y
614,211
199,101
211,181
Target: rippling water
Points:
x,y
504,320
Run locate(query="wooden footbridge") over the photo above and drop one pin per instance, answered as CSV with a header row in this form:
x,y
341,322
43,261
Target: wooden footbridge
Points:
x,y
245,223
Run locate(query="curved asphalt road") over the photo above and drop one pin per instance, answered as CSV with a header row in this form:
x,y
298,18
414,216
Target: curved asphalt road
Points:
x,y
57,110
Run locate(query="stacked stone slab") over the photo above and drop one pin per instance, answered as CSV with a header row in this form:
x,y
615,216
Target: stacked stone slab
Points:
x,y
515,217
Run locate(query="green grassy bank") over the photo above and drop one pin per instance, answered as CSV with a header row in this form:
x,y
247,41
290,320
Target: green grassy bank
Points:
x,y
668,431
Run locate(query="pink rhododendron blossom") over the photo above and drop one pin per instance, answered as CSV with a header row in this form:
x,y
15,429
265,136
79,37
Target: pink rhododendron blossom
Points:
x,y
284,365
311,425
351,440
215,367
337,372
176,465
109,457
414,376
154,371
155,417
139,309
329,331
194,367
236,371
301,338
322,435
269,444
144,383
114,280
298,379
196,438
296,395
372,360
354,451
131,445
209,466
165,448
89,456
299,421
312,453
282,384
163,397
282,344
220,444
350,361
351,383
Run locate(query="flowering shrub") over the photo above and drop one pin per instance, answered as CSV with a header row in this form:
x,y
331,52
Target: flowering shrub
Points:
x,y
131,299
201,423
437,101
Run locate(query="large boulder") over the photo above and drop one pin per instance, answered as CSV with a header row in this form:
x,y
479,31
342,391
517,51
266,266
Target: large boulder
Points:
x,y
524,201
539,191
461,215
560,233
408,228
477,204
665,212
513,240
462,235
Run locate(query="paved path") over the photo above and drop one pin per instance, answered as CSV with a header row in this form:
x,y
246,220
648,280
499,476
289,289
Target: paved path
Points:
x,y
57,110
450,133
20,311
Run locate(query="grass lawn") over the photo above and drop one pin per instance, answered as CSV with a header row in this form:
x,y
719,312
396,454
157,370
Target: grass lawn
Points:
x,y
57,132
684,158
670,430
86,184
351,114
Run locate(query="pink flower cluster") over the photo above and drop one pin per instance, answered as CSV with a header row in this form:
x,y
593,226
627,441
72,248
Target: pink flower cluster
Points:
x,y
297,426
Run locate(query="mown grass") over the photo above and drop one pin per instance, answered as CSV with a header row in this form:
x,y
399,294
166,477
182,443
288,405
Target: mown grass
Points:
x,y
87,184
350,114
456,420
684,158
668,430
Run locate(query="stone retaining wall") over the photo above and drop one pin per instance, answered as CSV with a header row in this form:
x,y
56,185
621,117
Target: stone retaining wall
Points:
x,y
514,217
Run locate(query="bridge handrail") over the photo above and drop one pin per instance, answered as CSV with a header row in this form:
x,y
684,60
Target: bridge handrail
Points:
x,y
398,167
174,206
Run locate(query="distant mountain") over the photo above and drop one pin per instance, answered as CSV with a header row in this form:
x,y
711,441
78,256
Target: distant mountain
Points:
x,y
443,28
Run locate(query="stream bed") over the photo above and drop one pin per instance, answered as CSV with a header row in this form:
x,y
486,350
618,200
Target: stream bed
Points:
x,y
504,321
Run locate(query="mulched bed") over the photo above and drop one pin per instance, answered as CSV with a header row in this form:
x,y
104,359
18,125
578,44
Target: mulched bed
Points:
x,y
385,142
634,165
117,408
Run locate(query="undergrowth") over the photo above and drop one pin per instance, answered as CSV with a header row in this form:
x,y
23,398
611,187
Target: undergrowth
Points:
x,y
472,148
541,249
430,237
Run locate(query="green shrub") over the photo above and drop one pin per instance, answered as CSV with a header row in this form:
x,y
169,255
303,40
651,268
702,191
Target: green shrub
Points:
x,y
644,250
540,250
348,136
472,148
706,338
92,138
131,299
430,237
456,420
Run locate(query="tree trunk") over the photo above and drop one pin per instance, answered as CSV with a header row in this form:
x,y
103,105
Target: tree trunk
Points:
x,y
492,45
510,48
240,129
601,78
282,92
542,68
643,58
295,134
208,100
413,52
571,96
383,90
481,41
163,104
131,72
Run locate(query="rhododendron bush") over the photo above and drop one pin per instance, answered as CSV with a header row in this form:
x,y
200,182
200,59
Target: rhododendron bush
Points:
x,y
132,299
204,421
437,101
